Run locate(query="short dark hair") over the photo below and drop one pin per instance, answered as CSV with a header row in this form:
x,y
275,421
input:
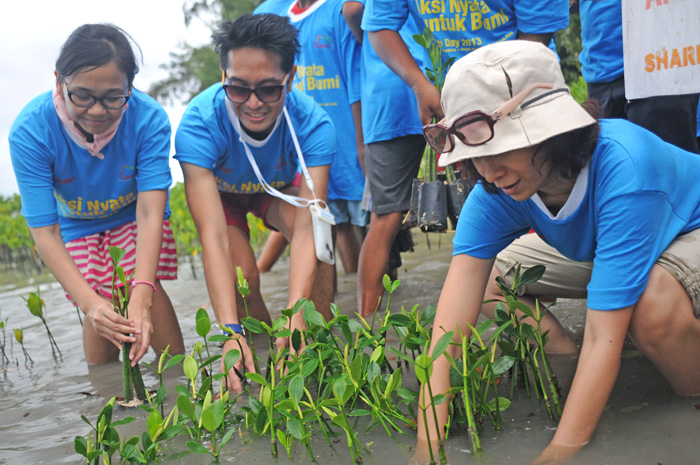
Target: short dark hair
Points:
x,y
268,32
93,45
567,153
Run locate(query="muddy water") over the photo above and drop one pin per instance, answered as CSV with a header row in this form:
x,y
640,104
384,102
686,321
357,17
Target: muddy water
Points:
x,y
41,404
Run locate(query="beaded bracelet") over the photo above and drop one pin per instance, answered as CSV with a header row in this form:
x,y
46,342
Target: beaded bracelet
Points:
x,y
134,283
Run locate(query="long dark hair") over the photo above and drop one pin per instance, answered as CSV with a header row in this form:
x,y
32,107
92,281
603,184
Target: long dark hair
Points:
x,y
567,153
93,45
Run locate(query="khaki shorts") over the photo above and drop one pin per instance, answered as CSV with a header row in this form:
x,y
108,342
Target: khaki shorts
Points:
x,y
568,279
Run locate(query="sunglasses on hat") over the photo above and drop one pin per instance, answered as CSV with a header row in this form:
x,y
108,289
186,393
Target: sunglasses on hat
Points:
x,y
475,127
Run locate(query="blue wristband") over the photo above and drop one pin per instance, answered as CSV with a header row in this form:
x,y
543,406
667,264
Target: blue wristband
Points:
x,y
237,329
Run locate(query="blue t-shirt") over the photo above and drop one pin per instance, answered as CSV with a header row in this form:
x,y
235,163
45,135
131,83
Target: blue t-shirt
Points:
x,y
631,204
465,25
601,40
209,134
389,107
328,70
59,181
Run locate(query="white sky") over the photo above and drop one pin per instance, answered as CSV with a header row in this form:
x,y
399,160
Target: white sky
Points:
x,y
31,33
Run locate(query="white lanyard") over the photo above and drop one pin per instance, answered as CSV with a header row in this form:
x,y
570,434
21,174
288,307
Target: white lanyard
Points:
x,y
292,199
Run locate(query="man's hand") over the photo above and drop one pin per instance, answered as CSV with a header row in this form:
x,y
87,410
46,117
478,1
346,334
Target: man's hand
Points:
x,y
233,381
428,98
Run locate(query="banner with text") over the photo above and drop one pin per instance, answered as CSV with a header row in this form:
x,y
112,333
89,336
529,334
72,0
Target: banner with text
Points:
x,y
661,40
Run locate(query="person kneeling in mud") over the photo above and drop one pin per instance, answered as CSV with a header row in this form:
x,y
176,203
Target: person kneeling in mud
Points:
x,y
616,212
236,144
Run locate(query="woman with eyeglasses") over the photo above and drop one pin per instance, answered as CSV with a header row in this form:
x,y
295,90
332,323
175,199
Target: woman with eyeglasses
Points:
x,y
91,159
616,215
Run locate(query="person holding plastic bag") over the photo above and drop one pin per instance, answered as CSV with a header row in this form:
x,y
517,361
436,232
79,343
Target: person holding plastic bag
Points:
x,y
599,198
240,143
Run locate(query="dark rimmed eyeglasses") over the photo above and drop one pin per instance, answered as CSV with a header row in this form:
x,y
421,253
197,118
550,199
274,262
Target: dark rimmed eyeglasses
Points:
x,y
83,100
241,94
475,127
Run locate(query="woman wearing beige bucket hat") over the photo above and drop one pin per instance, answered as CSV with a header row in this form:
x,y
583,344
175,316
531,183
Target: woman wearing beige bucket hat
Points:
x,y
616,213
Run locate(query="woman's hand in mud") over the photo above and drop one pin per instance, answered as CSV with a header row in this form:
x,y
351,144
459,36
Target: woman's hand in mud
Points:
x,y
109,324
557,453
235,377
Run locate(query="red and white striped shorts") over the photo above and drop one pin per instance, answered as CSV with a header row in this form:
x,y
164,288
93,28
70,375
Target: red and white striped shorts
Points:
x,y
91,254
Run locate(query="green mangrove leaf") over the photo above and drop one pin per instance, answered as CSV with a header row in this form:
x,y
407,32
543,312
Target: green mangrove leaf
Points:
x,y
253,325
34,304
386,281
398,320
295,429
231,358
123,421
296,340
227,437
532,275
441,345
80,445
154,423
209,421
424,368
377,355
189,366
313,317
503,364
197,448
420,40
296,388
347,334
503,404
439,399
174,360
185,406
106,413
203,323
394,286
257,378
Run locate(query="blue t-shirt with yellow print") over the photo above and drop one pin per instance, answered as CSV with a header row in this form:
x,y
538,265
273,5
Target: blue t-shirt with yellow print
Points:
x,y
60,182
463,26
209,134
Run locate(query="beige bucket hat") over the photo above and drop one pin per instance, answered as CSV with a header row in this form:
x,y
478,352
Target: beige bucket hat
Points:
x,y
488,77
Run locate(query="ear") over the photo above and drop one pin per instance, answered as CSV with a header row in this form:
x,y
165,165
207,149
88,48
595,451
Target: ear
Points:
x,y
290,79
59,83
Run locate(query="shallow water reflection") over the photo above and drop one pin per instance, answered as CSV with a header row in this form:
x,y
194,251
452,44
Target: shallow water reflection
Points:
x,y
41,404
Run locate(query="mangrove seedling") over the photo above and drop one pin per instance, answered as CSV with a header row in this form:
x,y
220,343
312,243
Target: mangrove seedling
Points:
x,y
132,380
3,323
19,336
36,304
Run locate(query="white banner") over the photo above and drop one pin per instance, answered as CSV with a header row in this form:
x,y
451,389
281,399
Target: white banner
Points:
x,y
661,40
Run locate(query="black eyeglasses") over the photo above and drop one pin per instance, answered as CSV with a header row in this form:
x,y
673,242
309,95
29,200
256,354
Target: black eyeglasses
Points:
x,y
475,127
241,94
110,102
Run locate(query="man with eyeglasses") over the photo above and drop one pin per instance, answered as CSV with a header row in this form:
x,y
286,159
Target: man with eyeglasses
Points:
x,y
252,123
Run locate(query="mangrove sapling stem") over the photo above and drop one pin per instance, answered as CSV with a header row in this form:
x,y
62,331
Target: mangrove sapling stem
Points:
x,y
127,373
471,426
244,290
424,409
271,413
541,381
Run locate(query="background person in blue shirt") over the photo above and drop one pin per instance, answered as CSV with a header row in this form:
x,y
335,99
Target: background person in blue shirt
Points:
x,y
91,160
599,197
247,112
328,70
671,117
461,27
